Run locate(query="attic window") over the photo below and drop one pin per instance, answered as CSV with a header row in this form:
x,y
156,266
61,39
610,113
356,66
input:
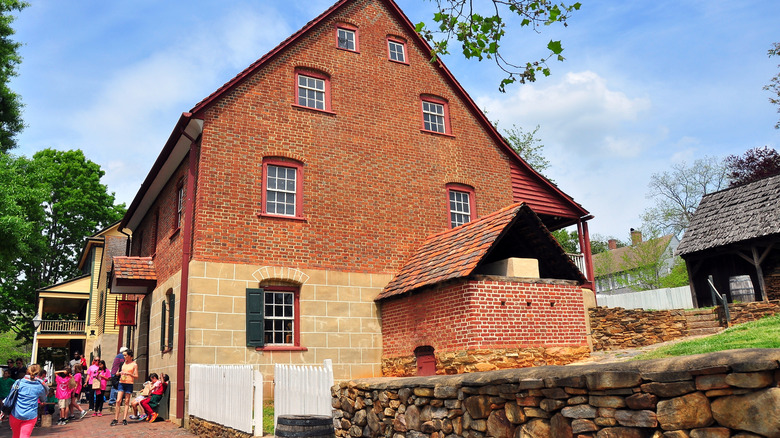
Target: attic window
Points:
x,y
313,90
347,37
396,50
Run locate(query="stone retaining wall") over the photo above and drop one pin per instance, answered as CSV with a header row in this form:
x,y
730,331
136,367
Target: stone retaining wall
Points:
x,y
744,312
207,429
618,328
712,395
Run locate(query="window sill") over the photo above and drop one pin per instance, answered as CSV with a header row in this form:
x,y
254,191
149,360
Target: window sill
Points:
x,y
175,233
166,350
398,62
443,134
295,105
281,348
281,216
348,50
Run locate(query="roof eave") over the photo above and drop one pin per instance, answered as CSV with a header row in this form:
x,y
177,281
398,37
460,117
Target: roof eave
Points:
x,y
175,150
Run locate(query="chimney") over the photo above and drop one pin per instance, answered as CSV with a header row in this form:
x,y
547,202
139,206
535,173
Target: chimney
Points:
x,y
612,244
636,237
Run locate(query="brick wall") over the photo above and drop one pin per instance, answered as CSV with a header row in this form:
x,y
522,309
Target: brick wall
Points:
x,y
374,184
480,315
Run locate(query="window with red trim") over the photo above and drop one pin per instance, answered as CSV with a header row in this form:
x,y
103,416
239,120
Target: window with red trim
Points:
x,y
396,50
179,205
313,90
347,37
273,317
435,115
461,205
282,188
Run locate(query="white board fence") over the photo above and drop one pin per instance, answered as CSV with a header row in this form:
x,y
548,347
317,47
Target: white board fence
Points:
x,y
303,390
230,395
656,299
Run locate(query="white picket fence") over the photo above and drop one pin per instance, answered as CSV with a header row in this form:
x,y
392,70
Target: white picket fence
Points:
x,y
656,299
230,395
302,390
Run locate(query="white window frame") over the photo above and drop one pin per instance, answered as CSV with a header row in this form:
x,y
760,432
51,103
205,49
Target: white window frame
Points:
x,y
347,33
460,207
434,117
270,322
394,48
285,191
319,93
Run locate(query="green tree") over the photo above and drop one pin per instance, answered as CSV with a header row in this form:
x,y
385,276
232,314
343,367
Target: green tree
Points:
x,y
480,27
774,83
528,146
677,193
644,264
678,275
569,240
54,201
10,103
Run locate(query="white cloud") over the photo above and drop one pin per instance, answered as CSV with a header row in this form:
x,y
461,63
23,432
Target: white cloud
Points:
x,y
136,107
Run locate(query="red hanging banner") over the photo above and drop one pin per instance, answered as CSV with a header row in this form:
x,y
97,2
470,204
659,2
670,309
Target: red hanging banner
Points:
x,y
125,312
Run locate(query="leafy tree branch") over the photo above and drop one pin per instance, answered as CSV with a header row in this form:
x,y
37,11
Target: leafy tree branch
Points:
x,y
480,34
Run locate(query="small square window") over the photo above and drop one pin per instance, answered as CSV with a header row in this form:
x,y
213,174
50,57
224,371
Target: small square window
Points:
x,y
396,51
433,117
346,39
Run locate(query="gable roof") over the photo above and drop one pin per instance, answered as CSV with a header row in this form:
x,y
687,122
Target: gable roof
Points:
x,y
734,215
620,259
457,252
563,212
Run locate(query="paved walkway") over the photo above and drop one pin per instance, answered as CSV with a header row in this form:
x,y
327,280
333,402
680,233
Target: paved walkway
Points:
x,y
94,427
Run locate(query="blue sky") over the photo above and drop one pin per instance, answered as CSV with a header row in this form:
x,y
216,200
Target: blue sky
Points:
x,y
645,84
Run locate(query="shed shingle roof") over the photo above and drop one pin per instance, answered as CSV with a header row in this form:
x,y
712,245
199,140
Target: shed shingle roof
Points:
x,y
734,215
514,231
134,268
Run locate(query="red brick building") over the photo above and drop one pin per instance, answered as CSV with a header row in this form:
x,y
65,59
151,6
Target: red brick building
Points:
x,y
283,203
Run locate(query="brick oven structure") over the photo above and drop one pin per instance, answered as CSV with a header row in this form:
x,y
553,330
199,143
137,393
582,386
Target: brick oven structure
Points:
x,y
473,298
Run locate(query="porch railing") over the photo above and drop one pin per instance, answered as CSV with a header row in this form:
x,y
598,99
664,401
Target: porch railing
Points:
x,y
579,260
62,326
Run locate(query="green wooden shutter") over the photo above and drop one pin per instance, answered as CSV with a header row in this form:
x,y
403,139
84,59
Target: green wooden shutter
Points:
x,y
171,304
163,323
254,318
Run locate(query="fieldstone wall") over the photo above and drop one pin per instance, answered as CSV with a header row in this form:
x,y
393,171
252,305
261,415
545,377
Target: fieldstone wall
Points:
x,y
618,328
207,429
468,361
724,394
744,312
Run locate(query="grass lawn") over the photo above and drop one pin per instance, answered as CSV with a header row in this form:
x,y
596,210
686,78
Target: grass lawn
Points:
x,y
764,333
268,418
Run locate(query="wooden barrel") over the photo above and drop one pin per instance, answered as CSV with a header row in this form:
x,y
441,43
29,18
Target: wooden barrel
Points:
x,y
297,426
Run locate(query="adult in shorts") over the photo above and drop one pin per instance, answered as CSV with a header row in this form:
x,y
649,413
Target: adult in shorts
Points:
x,y
127,375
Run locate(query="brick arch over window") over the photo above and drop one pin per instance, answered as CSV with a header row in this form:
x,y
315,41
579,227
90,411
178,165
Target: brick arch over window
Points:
x,y
291,275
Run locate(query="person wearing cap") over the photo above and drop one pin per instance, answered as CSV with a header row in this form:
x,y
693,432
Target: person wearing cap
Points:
x,y
115,367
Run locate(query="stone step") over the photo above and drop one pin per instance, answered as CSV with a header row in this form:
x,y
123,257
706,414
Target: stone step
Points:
x,y
701,311
696,318
703,324
704,331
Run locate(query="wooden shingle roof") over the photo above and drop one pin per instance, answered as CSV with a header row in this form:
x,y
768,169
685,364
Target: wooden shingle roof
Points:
x,y
734,215
514,231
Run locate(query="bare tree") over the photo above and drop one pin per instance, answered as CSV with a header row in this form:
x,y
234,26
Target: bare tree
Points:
x,y
677,193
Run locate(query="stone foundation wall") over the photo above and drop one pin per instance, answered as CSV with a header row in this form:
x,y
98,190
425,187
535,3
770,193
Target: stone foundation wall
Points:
x,y
722,394
618,328
469,361
207,429
744,312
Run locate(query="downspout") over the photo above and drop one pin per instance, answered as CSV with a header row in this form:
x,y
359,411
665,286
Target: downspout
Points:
x,y
185,273
128,245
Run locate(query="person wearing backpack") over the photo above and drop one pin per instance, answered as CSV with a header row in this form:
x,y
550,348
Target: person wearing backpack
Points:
x,y
31,391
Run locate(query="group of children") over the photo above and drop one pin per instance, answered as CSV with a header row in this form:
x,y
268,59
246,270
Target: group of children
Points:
x,y
66,390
